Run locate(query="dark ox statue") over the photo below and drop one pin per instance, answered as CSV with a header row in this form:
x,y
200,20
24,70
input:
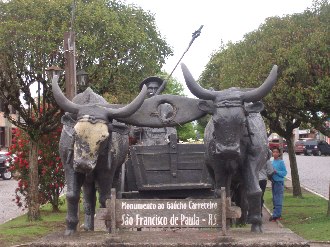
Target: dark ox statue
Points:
x,y
92,147
235,138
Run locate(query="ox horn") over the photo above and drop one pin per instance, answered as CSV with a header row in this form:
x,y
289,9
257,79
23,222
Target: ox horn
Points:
x,y
60,98
260,92
193,86
131,107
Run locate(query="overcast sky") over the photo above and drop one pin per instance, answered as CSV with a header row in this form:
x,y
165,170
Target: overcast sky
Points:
x,y
223,20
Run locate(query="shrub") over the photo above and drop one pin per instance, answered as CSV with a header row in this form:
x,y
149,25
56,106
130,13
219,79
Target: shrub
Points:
x,y
50,168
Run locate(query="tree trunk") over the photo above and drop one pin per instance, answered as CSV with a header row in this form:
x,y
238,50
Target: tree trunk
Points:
x,y
56,201
281,146
33,197
294,168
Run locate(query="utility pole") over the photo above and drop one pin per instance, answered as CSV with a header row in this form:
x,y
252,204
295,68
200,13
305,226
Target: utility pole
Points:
x,y
70,72
70,64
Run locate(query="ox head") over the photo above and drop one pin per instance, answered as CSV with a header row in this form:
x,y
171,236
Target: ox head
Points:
x,y
229,109
93,126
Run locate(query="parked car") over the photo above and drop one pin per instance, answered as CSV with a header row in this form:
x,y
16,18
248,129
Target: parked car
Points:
x,y
299,147
317,148
5,172
275,143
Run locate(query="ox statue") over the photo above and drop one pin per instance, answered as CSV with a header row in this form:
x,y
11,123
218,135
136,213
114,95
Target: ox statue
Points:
x,y
92,147
235,138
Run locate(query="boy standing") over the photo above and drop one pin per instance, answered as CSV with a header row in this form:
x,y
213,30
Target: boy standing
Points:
x,y
277,185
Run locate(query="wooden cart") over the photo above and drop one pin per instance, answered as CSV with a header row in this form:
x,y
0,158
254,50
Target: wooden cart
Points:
x,y
173,170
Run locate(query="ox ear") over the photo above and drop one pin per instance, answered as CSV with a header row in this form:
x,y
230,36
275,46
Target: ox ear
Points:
x,y
119,128
205,106
68,119
255,107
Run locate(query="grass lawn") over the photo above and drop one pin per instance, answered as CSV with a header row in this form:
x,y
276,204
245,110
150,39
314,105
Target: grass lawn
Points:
x,y
20,231
305,216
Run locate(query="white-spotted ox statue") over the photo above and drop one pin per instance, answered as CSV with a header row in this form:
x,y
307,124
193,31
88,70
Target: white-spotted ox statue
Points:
x,y
92,148
235,138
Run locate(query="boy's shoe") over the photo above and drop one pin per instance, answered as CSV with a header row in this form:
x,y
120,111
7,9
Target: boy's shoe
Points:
x,y
273,219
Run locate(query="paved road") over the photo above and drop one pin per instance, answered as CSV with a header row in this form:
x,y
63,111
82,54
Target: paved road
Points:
x,y
314,172
8,208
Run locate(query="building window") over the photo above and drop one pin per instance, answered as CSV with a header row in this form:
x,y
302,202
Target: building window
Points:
x,y
2,137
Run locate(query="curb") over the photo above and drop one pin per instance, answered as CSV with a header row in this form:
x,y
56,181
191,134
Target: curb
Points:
x,y
310,190
319,242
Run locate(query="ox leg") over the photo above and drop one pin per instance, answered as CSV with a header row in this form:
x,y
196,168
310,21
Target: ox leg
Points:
x,y
117,183
74,183
105,183
220,178
243,204
104,187
253,193
89,203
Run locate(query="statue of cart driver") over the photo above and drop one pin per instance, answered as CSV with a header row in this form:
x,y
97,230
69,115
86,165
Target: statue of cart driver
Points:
x,y
148,136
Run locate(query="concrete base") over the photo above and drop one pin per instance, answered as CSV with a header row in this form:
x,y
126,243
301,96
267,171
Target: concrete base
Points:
x,y
274,235
184,237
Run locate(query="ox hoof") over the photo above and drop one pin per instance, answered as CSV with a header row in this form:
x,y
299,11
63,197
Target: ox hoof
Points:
x,y
257,228
88,229
254,220
69,232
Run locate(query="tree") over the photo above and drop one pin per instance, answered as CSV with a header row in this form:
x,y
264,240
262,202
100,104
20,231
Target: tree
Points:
x,y
117,44
300,45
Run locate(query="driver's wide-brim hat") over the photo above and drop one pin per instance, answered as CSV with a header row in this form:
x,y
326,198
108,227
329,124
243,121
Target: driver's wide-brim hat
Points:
x,y
151,79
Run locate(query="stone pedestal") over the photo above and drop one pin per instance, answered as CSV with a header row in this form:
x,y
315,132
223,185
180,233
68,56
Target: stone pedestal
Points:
x,y
240,237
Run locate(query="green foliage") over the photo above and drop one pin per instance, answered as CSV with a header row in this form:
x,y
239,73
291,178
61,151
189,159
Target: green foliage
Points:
x,y
300,45
306,216
186,131
117,44
50,169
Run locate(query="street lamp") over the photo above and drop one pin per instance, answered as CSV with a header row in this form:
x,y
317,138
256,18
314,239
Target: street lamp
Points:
x,y
52,71
82,80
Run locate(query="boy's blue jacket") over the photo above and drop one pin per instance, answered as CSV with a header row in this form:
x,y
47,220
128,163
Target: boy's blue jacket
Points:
x,y
280,170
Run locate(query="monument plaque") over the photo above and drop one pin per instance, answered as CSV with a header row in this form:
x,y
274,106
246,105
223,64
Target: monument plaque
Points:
x,y
168,213
163,213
